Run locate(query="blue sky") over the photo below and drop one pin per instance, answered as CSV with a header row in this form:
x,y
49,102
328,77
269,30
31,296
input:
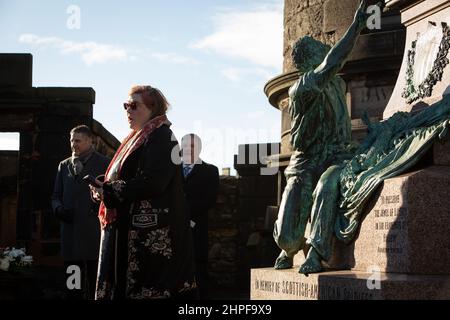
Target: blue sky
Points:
x,y
210,58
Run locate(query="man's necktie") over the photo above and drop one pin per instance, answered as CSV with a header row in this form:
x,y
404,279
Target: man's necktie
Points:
x,y
187,170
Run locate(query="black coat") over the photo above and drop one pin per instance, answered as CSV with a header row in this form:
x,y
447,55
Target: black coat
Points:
x,y
80,234
200,188
149,246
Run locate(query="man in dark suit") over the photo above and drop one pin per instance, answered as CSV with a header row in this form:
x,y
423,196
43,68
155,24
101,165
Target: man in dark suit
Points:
x,y
201,183
72,204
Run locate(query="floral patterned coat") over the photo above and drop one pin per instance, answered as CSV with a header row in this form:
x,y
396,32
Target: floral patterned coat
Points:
x,y
147,252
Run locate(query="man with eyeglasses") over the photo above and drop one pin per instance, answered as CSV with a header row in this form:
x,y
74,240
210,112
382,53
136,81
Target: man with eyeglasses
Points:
x,y
72,204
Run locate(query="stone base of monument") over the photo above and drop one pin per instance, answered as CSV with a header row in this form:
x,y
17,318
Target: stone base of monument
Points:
x,y
406,228
269,284
404,238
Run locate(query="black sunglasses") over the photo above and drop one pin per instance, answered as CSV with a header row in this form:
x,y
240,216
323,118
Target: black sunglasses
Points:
x,y
130,105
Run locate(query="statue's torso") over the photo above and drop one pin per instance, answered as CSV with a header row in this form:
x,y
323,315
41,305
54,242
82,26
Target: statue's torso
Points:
x,y
320,121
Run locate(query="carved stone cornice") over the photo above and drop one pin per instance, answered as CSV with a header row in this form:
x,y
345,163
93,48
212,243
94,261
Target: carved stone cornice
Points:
x,y
276,87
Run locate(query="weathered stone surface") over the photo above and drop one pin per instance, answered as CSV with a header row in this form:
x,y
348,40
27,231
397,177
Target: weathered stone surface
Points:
x,y
366,96
223,236
380,45
301,18
8,161
68,109
59,124
261,249
8,197
258,186
255,208
66,94
13,122
270,284
406,229
338,15
441,152
105,140
8,207
16,69
271,217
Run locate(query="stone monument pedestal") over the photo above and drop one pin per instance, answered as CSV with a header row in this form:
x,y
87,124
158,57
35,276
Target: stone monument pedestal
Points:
x,y
269,284
402,250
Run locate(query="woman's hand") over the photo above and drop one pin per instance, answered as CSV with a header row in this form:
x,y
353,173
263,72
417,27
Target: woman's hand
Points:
x,y
97,193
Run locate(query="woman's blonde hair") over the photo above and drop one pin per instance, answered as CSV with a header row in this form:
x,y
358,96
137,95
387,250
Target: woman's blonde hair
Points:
x,y
153,99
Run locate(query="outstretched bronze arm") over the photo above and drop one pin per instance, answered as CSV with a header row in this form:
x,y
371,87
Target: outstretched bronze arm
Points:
x,y
337,56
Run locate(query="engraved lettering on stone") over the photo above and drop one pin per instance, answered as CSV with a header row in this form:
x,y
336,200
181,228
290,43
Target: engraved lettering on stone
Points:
x,y
389,224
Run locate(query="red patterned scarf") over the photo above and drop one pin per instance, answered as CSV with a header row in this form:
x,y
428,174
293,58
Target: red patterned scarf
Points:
x,y
133,141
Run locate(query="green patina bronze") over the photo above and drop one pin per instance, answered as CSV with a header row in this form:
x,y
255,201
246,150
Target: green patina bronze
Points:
x,y
391,147
329,179
320,132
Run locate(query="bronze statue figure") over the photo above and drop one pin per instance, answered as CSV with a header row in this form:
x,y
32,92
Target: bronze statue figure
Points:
x,y
329,178
320,131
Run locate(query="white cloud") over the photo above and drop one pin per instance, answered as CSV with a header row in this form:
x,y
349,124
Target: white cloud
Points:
x,y
238,74
174,58
254,35
91,52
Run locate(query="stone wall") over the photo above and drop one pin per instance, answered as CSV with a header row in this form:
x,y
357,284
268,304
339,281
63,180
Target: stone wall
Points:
x,y
104,141
223,233
8,197
43,117
238,239
301,18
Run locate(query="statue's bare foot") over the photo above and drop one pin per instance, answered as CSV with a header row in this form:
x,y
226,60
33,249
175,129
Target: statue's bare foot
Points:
x,y
283,261
312,263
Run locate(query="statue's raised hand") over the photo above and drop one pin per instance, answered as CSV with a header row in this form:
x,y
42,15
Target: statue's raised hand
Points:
x,y
361,15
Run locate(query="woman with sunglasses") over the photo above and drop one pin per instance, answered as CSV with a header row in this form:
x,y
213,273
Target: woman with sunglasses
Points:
x,y
146,244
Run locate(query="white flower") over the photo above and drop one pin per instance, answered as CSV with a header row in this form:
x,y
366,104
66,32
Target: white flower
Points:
x,y
15,253
14,257
4,264
27,259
